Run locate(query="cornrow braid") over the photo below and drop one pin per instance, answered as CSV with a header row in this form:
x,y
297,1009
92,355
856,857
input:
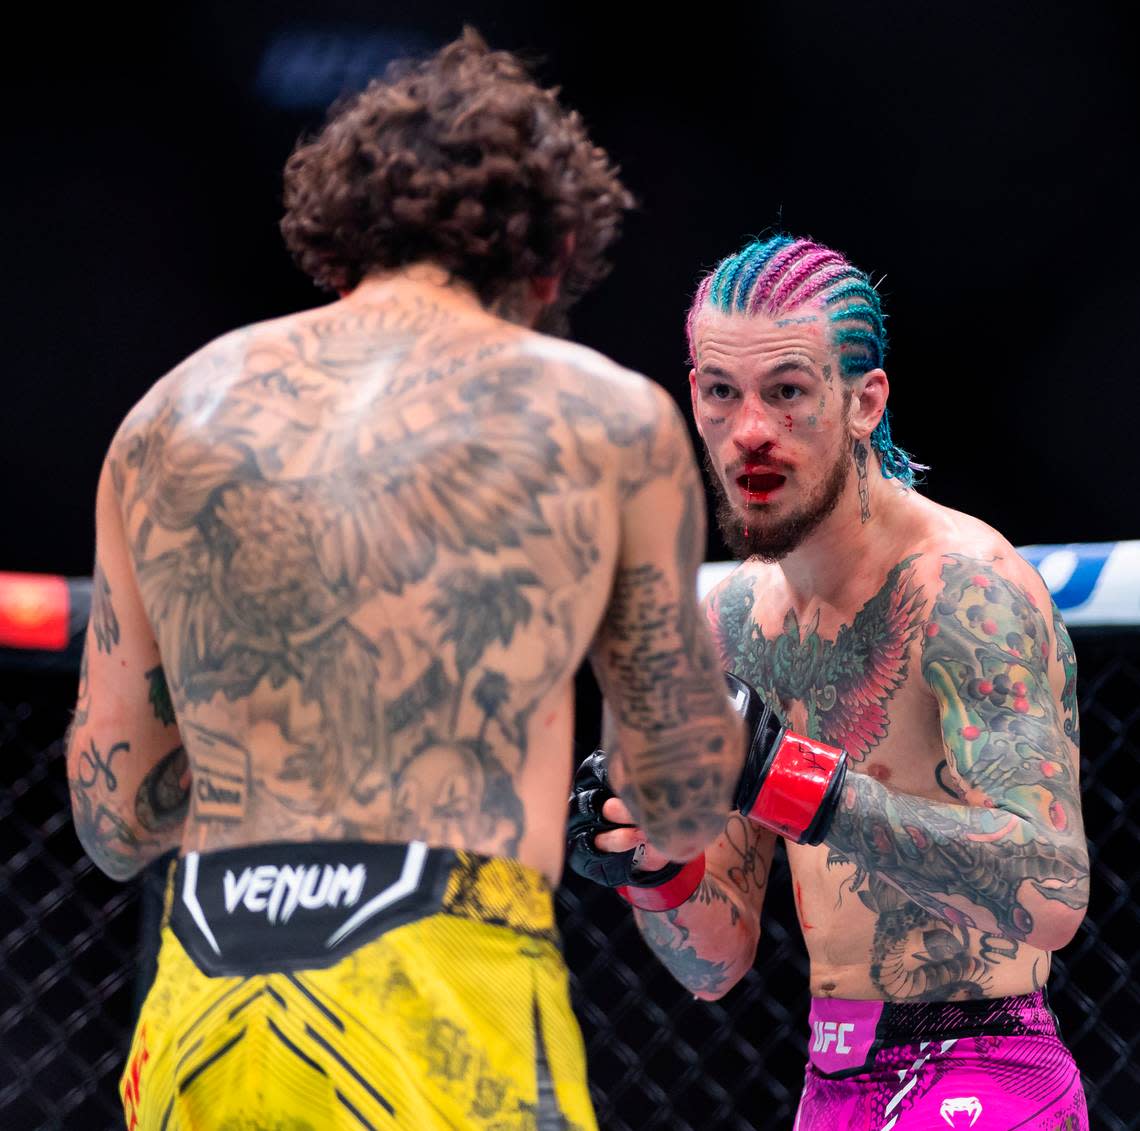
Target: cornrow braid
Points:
x,y
793,280
777,275
753,266
769,278
825,280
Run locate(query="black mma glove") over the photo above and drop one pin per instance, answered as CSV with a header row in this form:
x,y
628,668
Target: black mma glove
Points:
x,y
589,792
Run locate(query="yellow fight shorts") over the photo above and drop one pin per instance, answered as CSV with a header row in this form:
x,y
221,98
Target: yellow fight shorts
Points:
x,y
350,986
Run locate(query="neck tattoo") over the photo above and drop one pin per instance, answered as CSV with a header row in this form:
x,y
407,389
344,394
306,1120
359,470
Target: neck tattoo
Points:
x,y
864,486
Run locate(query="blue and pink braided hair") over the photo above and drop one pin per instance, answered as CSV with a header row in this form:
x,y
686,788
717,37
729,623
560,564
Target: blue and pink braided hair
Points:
x,y
777,275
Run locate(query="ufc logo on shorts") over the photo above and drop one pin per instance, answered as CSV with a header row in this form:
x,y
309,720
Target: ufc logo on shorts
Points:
x,y
828,1033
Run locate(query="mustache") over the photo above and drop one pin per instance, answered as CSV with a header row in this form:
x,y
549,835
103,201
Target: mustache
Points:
x,y
751,464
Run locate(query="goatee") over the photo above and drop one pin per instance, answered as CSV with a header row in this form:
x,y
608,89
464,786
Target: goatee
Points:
x,y
755,534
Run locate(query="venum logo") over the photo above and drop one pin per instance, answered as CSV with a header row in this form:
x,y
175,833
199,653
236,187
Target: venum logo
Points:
x,y
952,1108
832,1032
279,891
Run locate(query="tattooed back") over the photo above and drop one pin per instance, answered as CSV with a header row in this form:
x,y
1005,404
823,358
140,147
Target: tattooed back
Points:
x,y
374,542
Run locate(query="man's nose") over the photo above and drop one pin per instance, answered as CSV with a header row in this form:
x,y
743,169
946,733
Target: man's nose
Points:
x,y
756,426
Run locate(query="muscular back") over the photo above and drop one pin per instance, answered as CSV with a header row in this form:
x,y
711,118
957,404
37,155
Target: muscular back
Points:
x,y
374,542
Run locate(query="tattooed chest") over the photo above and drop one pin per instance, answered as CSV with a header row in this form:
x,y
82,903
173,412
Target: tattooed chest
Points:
x,y
841,687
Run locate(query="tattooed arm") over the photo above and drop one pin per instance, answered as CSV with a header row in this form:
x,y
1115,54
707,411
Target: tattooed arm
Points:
x,y
709,943
678,743
126,768
1013,859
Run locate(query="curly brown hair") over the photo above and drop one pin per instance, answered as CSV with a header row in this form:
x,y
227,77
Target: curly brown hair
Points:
x,y
462,160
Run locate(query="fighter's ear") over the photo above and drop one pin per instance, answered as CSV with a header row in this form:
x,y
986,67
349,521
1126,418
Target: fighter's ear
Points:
x,y
693,391
868,403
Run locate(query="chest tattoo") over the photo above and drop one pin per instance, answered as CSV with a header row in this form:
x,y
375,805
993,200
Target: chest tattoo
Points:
x,y
837,690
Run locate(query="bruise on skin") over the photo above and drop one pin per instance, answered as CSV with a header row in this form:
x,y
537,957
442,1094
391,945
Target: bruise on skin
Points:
x,y
788,423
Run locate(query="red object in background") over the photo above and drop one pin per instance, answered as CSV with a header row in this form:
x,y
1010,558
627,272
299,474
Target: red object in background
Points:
x,y
34,611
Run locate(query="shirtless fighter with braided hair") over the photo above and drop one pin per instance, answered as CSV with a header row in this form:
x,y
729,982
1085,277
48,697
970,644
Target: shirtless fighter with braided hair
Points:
x,y
936,879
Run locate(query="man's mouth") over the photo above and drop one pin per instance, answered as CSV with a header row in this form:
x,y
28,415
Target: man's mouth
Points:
x,y
759,486
760,481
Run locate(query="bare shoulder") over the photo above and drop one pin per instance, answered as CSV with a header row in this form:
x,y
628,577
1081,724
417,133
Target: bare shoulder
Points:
x,y
223,354
729,605
615,410
198,378
990,611
952,542
599,378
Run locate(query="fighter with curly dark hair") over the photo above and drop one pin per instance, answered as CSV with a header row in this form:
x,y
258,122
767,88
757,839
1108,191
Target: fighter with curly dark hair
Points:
x,y
348,562
463,161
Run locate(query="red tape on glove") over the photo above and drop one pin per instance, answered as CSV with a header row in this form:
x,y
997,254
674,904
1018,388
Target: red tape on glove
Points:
x,y
795,785
672,893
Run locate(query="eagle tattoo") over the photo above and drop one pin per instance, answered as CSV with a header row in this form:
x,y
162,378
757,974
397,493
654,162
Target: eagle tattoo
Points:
x,y
266,572
843,684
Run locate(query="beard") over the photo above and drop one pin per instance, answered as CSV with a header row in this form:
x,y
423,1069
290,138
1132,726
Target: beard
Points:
x,y
755,535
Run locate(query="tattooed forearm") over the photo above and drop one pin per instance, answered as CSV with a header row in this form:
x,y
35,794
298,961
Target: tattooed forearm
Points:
x,y
648,647
669,940
749,867
677,780
105,836
108,839
104,623
1020,832
943,855
709,942
709,892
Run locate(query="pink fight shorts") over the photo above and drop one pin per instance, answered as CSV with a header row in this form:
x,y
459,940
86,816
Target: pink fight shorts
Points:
x,y
994,1065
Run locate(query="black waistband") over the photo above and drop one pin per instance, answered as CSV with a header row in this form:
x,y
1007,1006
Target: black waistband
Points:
x,y
1019,1015
291,906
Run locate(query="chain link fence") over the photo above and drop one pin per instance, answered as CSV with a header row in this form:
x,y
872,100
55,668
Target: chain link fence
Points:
x,y
77,951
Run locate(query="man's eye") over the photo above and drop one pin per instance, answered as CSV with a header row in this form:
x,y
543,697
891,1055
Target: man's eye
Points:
x,y
789,392
720,391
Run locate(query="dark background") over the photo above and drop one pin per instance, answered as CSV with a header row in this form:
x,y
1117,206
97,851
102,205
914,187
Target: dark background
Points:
x,y
979,155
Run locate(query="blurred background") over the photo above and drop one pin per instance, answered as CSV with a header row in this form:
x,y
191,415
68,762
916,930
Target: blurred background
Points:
x,y
977,158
